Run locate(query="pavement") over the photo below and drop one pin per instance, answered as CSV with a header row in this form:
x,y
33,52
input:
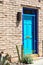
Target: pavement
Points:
x,y
38,62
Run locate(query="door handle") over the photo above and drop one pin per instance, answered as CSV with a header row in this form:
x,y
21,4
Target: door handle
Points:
x,y
27,37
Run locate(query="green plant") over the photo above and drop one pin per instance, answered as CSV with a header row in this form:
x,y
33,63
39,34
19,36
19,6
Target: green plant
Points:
x,y
30,60
21,52
27,60
18,53
4,59
23,59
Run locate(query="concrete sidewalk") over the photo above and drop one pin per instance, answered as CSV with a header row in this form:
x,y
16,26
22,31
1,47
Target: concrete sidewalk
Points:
x,y
38,62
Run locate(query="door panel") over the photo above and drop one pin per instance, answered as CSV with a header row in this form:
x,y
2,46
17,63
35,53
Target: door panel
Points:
x,y
29,30
27,34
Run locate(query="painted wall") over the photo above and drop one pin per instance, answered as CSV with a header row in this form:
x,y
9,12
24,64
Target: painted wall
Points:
x,y
10,34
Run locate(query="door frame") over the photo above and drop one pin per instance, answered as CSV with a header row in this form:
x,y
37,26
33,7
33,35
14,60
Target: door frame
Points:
x,y
36,27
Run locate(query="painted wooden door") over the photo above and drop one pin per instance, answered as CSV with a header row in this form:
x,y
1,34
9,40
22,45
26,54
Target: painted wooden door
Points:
x,y
27,28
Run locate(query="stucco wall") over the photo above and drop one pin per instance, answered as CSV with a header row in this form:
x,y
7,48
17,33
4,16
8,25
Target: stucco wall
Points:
x,y
10,34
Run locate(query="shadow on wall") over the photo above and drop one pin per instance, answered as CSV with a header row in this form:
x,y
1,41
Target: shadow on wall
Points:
x,y
18,19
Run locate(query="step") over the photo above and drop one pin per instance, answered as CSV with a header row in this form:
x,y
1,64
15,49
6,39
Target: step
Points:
x,y
38,58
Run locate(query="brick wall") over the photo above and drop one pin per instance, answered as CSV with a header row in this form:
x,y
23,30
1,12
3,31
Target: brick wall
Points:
x,y
10,34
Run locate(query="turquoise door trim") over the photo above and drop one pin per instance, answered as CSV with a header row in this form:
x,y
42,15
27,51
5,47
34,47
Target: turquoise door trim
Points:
x,y
28,15
28,20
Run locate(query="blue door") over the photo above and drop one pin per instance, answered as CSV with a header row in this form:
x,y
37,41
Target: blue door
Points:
x,y
28,20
